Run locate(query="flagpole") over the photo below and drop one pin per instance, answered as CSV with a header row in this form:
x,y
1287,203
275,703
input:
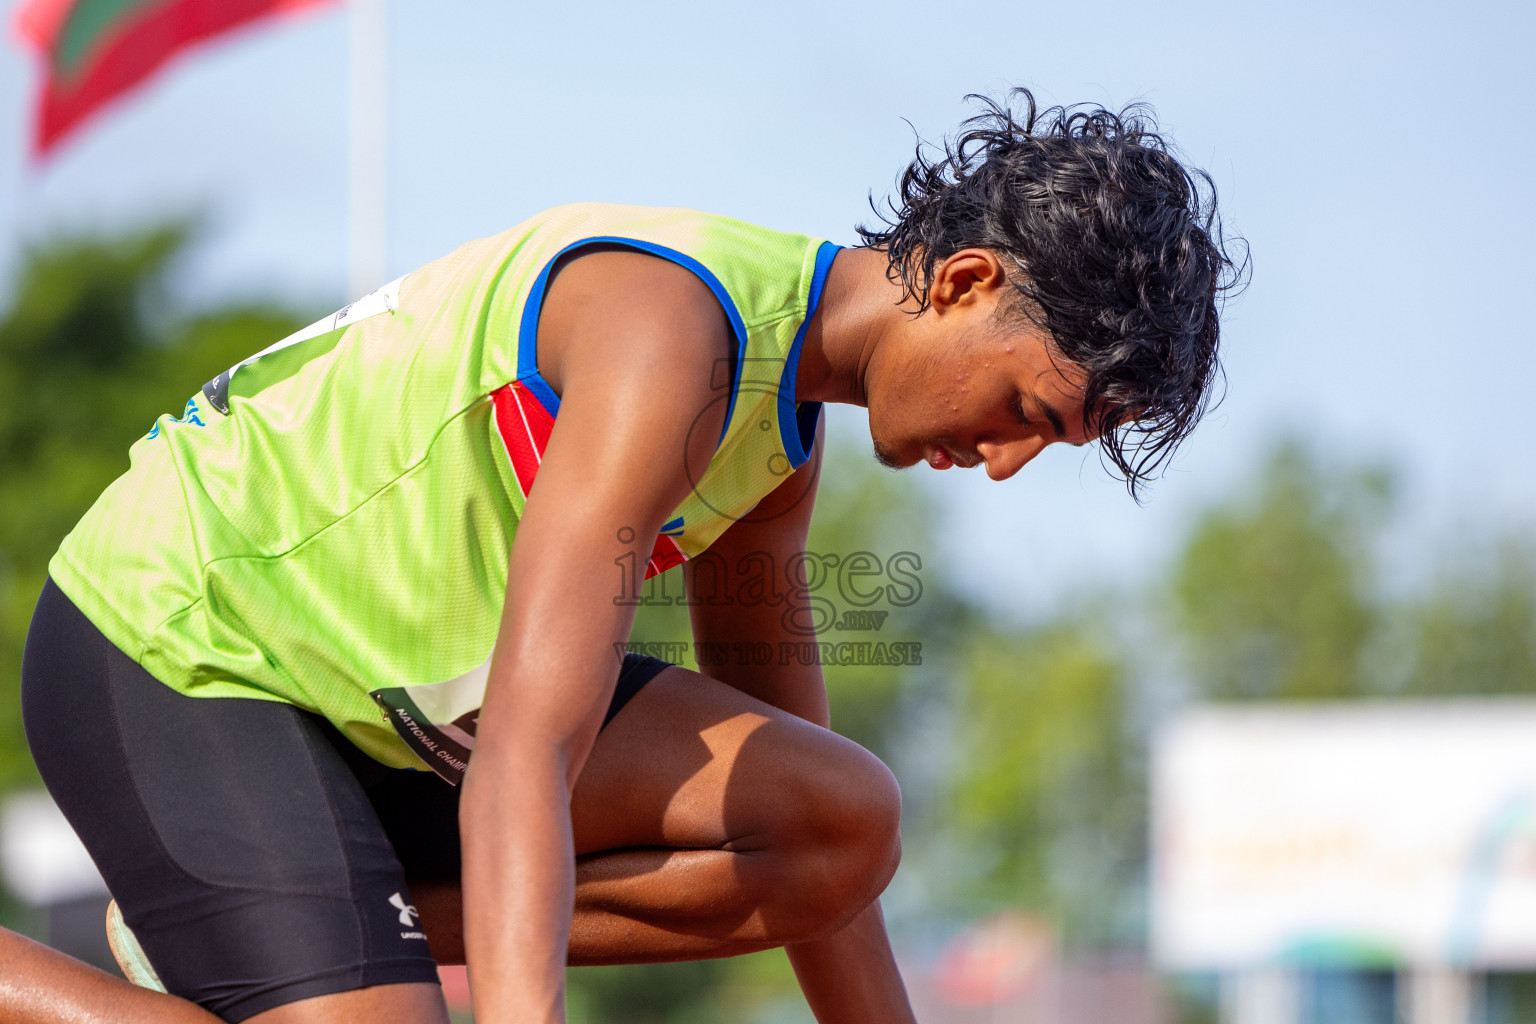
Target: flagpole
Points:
x,y
368,148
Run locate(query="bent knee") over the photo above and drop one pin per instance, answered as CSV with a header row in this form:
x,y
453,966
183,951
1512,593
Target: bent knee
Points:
x,y
861,813
848,841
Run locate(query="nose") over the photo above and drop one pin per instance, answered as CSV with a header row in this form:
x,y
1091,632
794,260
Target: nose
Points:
x,y
1005,458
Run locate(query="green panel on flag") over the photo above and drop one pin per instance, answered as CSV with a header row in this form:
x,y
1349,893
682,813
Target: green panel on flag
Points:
x,y
87,23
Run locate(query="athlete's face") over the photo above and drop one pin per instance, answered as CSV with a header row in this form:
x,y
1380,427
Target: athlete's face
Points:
x,y
960,388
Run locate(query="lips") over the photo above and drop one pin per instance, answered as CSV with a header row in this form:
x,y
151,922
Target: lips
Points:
x,y
940,459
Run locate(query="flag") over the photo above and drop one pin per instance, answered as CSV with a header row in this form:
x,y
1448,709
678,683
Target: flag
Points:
x,y
96,50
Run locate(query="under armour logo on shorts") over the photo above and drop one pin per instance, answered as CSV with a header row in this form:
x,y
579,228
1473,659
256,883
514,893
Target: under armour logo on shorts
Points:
x,y
408,913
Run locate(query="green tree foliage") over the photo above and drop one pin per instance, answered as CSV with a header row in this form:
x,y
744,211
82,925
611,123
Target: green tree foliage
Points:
x,y
90,354
1279,593
1272,594
1045,797
1474,632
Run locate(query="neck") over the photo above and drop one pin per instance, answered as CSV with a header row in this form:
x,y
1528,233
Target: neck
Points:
x,y
858,308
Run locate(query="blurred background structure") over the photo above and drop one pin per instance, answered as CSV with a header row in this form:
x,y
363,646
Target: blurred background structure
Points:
x,y
1378,835
1247,754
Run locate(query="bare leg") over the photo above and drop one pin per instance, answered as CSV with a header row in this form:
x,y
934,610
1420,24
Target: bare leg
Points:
x,y
39,985
709,824
407,1004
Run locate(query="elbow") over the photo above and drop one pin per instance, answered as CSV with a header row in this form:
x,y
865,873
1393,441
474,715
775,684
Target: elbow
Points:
x,y
514,770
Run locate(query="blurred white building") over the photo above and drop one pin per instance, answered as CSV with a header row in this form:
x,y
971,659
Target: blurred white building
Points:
x,y
43,865
1386,837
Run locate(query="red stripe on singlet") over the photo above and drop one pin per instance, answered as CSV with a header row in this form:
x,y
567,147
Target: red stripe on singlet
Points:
x,y
525,425
664,556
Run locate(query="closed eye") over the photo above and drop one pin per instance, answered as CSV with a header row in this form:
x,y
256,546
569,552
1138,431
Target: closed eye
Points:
x,y
1017,408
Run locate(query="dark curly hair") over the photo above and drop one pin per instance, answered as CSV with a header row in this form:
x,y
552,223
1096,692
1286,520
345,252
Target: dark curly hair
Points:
x,y
1121,249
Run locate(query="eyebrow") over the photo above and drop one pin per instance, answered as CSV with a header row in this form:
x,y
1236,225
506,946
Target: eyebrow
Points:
x,y
1052,415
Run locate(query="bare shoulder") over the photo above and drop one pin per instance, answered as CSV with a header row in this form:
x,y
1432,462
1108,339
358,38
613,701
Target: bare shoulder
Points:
x,y
633,314
630,343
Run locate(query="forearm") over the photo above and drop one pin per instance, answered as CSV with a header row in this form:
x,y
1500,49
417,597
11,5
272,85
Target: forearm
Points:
x,y
519,883
850,977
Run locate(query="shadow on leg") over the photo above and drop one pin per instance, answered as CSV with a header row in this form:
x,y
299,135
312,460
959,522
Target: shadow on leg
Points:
x,y
709,824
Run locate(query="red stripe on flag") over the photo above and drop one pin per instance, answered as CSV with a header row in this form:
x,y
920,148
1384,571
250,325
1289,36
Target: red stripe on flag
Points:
x,y
130,52
524,425
39,22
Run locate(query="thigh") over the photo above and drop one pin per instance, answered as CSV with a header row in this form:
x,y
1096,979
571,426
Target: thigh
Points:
x,y
691,763
398,1004
242,851
694,763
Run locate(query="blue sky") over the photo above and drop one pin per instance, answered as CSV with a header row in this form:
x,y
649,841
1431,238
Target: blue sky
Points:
x,y
1377,159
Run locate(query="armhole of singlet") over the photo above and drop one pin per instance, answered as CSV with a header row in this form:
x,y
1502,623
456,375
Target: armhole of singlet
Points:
x,y
528,328
797,421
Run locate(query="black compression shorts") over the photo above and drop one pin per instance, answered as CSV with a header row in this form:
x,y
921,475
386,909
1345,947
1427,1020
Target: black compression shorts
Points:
x,y
258,856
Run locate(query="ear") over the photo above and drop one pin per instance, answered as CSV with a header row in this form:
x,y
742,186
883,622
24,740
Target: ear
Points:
x,y
969,277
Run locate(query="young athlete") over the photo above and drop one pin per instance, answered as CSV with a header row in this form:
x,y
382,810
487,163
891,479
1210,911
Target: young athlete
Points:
x,y
257,673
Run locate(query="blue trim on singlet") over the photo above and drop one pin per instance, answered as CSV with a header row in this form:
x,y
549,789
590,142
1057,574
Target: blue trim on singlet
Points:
x,y
797,423
528,330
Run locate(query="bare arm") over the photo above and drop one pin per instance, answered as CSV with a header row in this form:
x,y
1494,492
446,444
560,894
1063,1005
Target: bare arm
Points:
x,y
617,328
849,977
775,532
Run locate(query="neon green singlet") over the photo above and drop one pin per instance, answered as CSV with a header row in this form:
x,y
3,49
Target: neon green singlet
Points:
x,y
328,523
